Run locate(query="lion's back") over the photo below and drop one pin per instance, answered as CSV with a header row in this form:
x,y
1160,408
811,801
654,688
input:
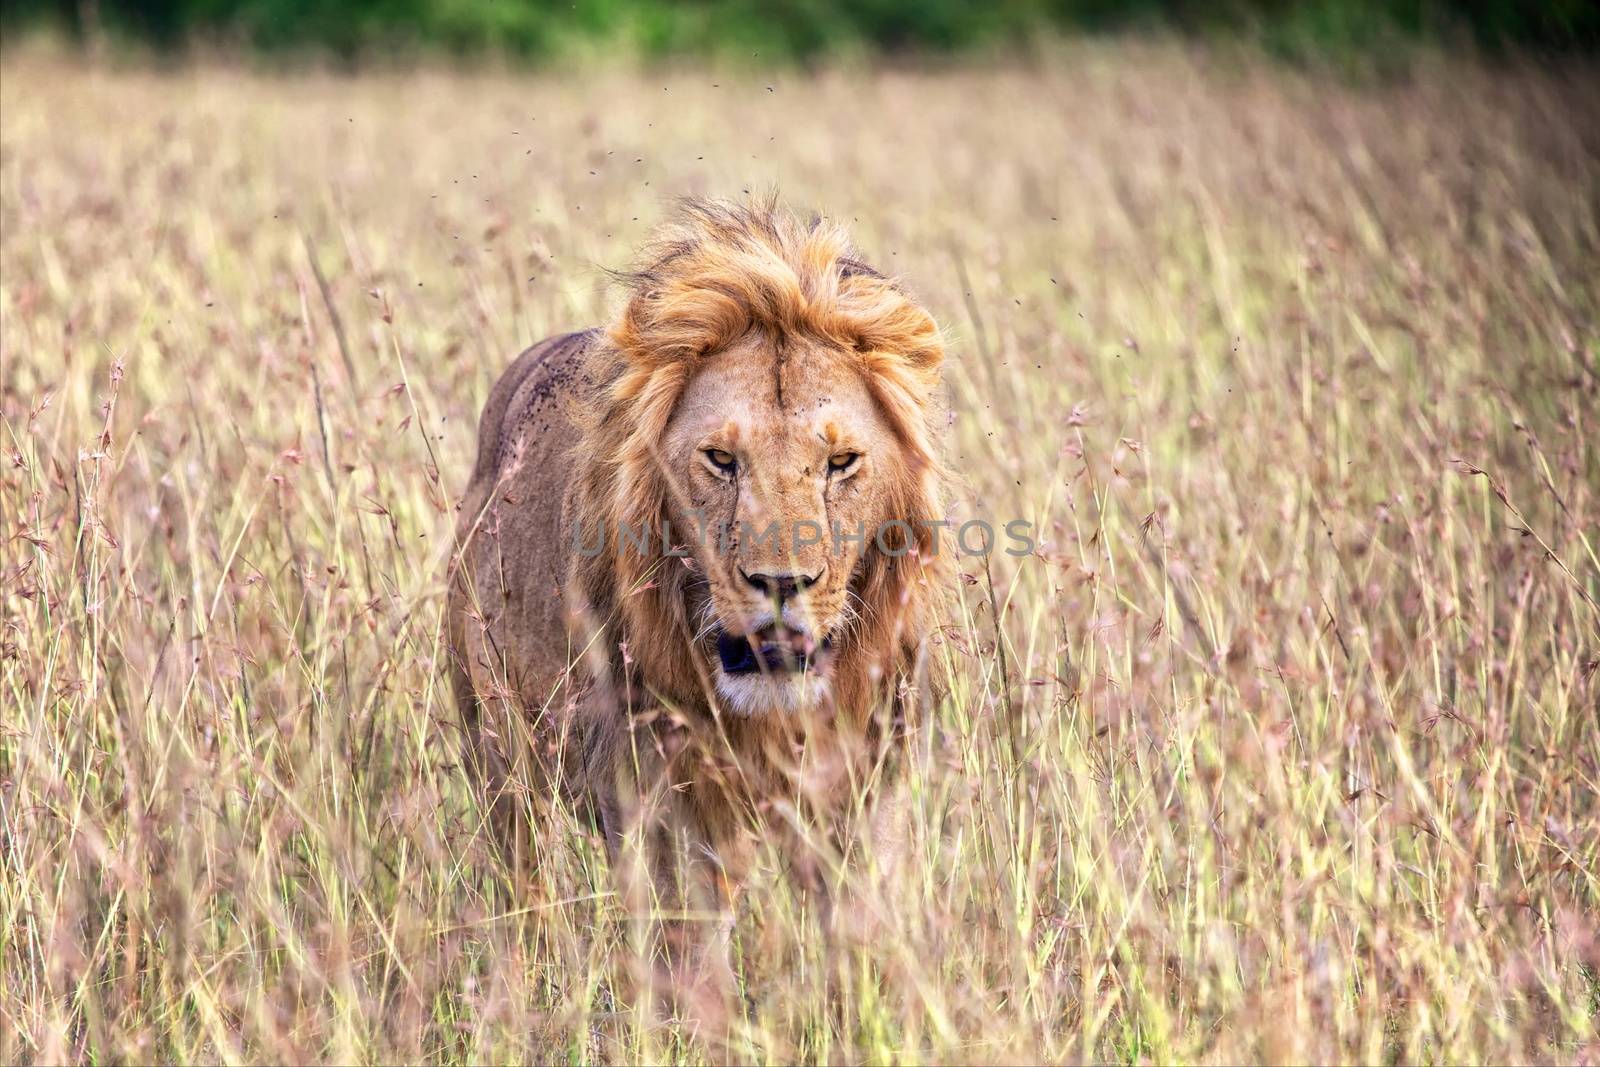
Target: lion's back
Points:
x,y
508,617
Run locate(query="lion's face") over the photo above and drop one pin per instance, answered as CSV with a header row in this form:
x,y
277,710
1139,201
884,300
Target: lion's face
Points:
x,y
785,464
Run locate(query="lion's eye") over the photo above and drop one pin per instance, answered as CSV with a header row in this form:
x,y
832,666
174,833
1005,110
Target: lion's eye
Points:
x,y
721,460
842,461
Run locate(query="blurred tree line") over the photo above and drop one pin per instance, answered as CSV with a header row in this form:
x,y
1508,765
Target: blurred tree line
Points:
x,y
799,29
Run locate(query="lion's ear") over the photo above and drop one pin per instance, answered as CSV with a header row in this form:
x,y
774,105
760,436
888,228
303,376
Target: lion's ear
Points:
x,y
850,267
680,321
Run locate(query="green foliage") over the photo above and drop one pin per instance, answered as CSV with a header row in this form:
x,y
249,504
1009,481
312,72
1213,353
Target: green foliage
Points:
x,y
799,29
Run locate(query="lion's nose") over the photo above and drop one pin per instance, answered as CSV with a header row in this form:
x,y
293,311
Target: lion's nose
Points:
x,y
781,587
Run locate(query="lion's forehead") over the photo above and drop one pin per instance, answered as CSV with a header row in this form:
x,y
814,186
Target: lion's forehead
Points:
x,y
800,402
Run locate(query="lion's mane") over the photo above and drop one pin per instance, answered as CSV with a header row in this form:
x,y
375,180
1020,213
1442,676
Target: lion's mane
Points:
x,y
723,270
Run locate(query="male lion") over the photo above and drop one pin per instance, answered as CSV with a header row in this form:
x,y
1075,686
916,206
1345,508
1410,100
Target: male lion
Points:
x,y
698,554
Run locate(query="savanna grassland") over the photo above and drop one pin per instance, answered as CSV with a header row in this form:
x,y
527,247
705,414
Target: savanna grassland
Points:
x,y
1287,743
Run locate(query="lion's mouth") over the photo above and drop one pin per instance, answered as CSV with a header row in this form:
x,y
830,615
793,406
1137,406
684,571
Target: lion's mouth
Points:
x,y
769,651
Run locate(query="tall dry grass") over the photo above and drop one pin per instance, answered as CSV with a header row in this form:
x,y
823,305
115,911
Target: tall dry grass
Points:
x,y
1293,751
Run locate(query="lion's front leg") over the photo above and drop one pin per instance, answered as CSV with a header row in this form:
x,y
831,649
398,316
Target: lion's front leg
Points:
x,y
693,919
676,878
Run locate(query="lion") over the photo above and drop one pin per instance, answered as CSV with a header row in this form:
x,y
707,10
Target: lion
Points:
x,y
697,561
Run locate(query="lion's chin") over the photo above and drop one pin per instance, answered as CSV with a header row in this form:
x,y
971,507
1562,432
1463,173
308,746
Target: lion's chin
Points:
x,y
751,695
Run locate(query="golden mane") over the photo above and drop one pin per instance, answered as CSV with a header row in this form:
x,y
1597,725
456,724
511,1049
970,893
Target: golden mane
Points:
x,y
724,268
718,272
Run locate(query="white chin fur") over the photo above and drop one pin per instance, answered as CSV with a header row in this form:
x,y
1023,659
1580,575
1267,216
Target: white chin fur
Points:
x,y
749,695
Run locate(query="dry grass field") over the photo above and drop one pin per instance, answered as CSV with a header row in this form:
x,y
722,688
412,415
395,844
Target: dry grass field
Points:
x,y
1286,746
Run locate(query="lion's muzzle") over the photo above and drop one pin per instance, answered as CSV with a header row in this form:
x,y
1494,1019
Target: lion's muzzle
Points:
x,y
769,651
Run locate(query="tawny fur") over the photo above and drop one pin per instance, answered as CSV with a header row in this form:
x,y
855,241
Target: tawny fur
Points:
x,y
591,678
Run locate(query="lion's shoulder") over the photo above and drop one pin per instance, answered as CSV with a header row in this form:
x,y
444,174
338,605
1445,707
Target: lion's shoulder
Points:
x,y
531,398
